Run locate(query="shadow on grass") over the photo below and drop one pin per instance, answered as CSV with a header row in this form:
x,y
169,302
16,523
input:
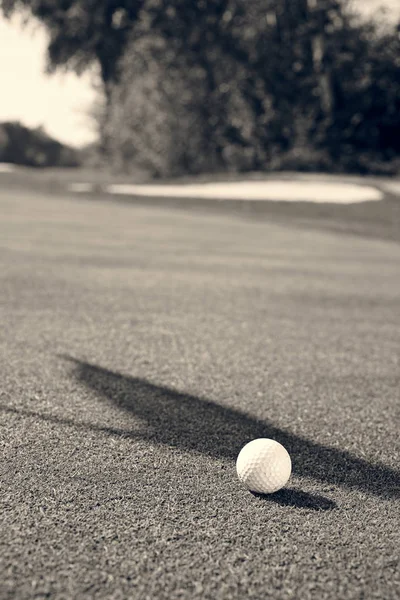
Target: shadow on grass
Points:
x,y
191,423
179,420
63,421
298,499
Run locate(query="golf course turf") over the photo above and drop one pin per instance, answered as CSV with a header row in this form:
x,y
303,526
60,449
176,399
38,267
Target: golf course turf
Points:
x,y
141,348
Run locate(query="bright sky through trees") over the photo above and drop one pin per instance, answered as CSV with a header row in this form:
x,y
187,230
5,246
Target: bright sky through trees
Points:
x,y
59,102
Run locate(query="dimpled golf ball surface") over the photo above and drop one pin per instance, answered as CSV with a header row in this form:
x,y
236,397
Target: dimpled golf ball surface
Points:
x,y
264,466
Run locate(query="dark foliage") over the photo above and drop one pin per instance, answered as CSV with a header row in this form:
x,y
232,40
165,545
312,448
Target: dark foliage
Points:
x,y
34,148
233,85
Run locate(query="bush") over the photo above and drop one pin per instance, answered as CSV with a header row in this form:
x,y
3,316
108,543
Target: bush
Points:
x,y
3,143
303,159
34,148
155,120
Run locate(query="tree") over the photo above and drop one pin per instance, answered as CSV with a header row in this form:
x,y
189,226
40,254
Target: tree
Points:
x,y
34,147
82,32
230,84
190,95
366,75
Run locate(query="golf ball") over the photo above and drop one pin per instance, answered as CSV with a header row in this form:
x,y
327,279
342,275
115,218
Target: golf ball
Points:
x,y
264,466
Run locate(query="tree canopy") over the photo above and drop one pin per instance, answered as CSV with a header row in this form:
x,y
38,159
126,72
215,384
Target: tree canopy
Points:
x,y
82,32
195,85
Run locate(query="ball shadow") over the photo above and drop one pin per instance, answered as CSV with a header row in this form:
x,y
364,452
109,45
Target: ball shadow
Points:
x,y
298,499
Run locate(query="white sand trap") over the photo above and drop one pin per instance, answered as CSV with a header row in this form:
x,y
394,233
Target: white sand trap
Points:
x,y
7,168
278,191
80,187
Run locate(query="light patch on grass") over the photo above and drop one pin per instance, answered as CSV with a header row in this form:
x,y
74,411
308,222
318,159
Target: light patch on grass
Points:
x,y
393,187
80,187
7,168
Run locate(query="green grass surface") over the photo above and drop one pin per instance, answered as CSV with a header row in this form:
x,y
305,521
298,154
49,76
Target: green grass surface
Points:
x,y
141,348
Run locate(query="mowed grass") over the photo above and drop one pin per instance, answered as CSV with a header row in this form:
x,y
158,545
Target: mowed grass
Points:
x,y
142,347
372,219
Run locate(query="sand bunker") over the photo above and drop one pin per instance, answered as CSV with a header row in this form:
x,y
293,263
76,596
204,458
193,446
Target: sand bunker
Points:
x,y
271,190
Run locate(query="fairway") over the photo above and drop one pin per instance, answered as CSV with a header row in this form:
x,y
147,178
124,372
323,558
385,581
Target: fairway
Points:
x,y
141,348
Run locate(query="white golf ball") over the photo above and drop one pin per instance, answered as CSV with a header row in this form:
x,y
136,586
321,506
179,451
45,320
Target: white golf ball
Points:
x,y
264,466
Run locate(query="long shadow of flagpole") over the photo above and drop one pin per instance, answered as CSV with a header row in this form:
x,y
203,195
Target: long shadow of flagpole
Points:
x,y
197,424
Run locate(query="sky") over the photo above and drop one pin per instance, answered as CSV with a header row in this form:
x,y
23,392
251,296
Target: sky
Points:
x,y
61,102
58,102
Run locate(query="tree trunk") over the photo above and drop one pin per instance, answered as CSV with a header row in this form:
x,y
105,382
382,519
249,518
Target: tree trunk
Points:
x,y
325,88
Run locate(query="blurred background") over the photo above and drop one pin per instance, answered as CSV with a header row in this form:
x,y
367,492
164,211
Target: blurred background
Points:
x,y
170,88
